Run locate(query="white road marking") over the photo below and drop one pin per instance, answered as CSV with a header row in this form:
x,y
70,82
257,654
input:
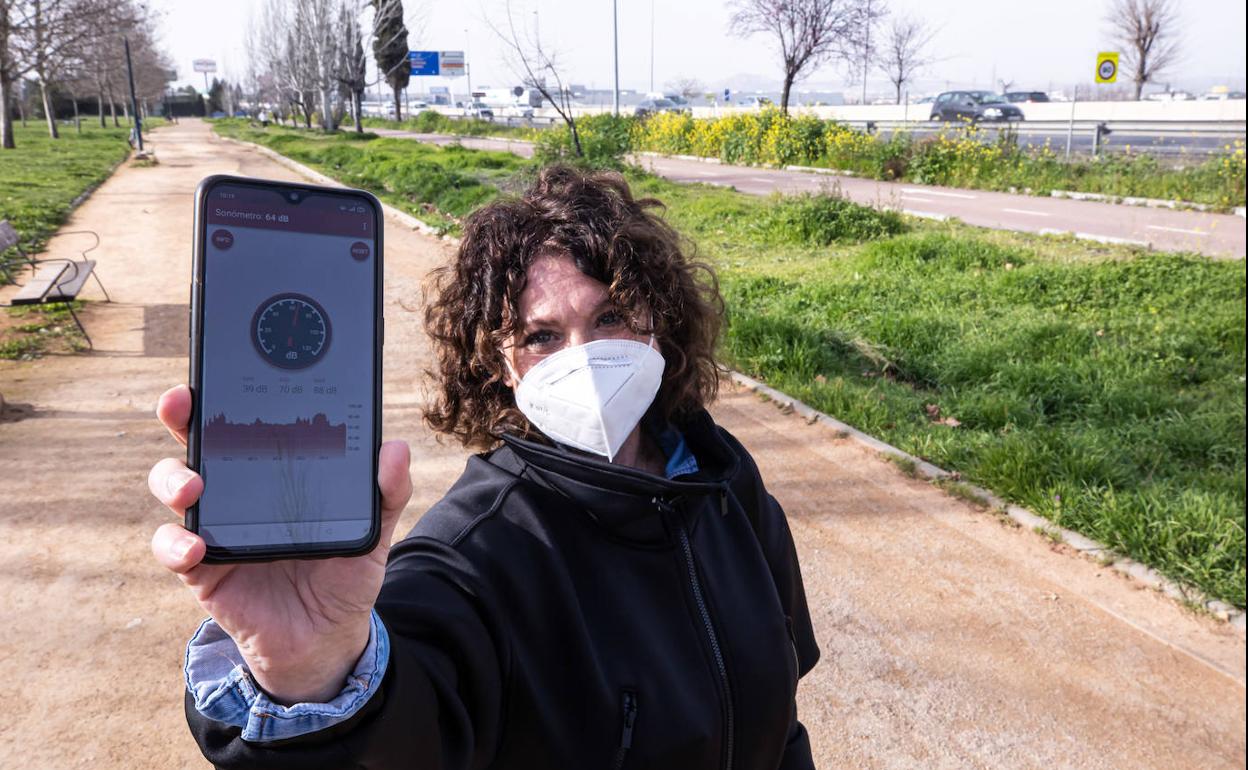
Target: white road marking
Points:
x,y
925,215
762,179
917,198
1028,211
937,193
1176,230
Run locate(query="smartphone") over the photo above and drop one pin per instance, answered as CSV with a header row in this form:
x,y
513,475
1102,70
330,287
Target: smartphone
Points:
x,y
286,339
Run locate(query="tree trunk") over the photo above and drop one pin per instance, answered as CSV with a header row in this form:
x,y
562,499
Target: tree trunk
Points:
x,y
112,109
6,122
1139,88
576,135
398,104
784,95
898,84
21,109
355,111
77,117
327,117
47,109
99,102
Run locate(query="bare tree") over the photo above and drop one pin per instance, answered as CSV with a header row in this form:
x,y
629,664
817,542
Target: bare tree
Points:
x,y
353,67
8,74
56,36
74,45
687,87
809,32
538,67
316,25
903,52
1148,31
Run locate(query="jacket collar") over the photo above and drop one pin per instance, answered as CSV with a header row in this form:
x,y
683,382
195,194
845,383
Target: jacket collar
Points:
x,y
625,500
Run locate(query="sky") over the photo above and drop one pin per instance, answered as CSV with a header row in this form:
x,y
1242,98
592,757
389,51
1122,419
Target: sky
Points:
x,y
1046,46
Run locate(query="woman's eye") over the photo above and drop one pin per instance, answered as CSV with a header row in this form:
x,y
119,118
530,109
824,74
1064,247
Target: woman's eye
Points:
x,y
610,318
538,338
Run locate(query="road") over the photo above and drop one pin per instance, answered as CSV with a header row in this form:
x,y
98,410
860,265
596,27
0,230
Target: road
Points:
x,y
1216,235
949,639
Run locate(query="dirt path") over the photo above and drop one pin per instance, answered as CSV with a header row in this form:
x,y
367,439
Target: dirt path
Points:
x,y
949,640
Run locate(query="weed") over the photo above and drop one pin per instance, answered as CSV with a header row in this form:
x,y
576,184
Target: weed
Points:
x,y
963,491
904,464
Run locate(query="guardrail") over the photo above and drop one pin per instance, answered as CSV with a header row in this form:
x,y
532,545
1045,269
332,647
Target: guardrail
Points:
x,y
1202,137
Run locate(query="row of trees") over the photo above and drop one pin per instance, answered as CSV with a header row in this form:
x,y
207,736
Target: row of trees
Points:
x,y
75,47
309,58
812,33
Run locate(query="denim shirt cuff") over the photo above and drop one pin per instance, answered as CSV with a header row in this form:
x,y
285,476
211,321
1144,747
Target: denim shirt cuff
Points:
x,y
224,690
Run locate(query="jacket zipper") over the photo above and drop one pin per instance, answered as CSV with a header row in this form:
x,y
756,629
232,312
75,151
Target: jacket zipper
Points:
x,y
714,639
626,736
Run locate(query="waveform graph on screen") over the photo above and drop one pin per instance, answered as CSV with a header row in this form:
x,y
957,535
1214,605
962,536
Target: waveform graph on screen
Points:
x,y
311,438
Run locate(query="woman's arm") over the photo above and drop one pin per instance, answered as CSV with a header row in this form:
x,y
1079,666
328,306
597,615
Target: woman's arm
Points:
x,y
439,703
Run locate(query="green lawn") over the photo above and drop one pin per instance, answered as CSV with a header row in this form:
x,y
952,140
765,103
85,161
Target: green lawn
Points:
x,y
41,178
1100,387
436,185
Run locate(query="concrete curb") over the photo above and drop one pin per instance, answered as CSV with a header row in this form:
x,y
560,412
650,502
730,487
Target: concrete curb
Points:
x,y
1109,239
1153,203
1084,545
1141,572
695,158
825,171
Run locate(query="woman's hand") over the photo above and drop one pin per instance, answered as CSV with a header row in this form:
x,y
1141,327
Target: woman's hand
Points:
x,y
300,624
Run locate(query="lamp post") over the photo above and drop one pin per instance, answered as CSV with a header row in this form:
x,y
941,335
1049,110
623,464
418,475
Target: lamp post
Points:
x,y
615,34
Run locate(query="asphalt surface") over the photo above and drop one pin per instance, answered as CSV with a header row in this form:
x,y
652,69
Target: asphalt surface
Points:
x,y
1215,235
949,639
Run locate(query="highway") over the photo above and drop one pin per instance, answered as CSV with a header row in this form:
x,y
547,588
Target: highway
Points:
x,y
1215,235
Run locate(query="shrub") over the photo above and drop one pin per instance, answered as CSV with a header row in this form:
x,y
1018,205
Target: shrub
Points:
x,y
605,140
819,220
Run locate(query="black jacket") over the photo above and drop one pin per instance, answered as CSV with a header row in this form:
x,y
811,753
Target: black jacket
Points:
x,y
556,611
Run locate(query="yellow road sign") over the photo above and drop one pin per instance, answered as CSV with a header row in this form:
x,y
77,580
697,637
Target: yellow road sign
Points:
x,y
1107,67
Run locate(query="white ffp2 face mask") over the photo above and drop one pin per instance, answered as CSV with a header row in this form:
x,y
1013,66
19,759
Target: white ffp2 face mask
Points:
x,y
591,396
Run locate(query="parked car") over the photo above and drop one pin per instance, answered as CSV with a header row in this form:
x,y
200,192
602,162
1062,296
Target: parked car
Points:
x,y
653,106
754,102
479,111
1032,97
974,106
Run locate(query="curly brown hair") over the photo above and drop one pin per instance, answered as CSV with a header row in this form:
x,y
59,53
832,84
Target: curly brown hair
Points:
x,y
472,303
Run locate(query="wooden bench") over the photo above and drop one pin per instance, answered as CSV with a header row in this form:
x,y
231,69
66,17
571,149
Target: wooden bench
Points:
x,y
54,280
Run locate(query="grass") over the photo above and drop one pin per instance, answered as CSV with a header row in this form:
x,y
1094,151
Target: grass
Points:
x,y
31,331
431,122
39,181
42,177
1100,387
437,185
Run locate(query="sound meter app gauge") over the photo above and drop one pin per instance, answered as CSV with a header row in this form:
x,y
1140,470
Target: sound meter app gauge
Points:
x,y
290,331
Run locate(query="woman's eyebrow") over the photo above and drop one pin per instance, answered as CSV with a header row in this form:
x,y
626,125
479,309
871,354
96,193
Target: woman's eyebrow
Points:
x,y
531,323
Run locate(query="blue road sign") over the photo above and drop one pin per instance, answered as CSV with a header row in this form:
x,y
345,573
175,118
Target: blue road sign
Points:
x,y
424,63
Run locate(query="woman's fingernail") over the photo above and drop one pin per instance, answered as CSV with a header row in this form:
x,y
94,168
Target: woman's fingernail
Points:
x,y
176,480
182,546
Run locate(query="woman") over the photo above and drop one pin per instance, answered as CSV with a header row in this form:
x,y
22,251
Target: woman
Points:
x,y
610,585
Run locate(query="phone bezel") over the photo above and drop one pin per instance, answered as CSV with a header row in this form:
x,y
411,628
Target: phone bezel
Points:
x,y
274,551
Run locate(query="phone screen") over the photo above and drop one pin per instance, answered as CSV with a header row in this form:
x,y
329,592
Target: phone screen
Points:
x,y
287,377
